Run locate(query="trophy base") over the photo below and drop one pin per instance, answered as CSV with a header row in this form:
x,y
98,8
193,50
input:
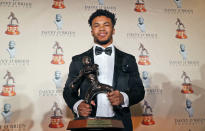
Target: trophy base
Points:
x,y
56,122
181,34
58,4
8,90
140,8
57,59
186,88
12,30
144,60
95,123
148,120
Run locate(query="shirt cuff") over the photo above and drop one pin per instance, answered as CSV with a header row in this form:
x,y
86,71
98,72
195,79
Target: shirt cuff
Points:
x,y
75,107
126,99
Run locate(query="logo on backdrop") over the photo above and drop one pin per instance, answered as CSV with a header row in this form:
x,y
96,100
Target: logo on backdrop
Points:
x,y
12,27
9,88
144,56
58,55
58,21
58,4
11,49
57,79
180,30
101,2
140,6
178,3
6,113
56,119
147,115
146,79
186,85
16,3
189,108
141,24
183,51
98,4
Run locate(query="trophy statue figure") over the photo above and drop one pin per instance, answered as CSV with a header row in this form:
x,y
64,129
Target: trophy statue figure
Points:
x,y
58,4
57,57
186,86
8,88
12,29
143,58
56,117
89,73
147,115
140,6
180,30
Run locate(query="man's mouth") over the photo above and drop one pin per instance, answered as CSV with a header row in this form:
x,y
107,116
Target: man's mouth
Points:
x,y
102,34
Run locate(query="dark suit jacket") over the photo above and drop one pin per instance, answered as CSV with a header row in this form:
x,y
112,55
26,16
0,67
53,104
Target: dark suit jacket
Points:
x,y
126,79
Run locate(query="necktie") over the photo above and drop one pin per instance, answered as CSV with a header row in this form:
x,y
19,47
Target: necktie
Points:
x,y
99,50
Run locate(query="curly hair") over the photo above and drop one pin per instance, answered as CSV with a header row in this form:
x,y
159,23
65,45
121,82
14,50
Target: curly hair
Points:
x,y
101,12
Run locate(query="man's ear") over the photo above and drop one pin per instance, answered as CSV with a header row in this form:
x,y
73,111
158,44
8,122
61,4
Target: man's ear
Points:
x,y
92,32
113,32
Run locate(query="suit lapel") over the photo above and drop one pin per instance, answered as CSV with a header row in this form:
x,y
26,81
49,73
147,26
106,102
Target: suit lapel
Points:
x,y
117,66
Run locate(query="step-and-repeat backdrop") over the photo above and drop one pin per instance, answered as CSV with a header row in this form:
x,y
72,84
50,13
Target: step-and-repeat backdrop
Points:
x,y
39,37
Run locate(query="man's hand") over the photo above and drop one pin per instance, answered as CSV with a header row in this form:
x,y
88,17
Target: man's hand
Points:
x,y
85,109
115,98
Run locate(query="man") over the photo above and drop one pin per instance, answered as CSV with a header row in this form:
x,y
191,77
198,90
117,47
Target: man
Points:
x,y
116,68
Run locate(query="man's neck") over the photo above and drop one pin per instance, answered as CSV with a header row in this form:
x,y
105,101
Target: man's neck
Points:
x,y
105,45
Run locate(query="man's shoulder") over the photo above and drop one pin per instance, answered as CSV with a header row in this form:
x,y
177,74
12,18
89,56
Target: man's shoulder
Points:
x,y
80,56
123,54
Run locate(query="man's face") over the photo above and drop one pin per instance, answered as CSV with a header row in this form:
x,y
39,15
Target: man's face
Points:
x,y
102,30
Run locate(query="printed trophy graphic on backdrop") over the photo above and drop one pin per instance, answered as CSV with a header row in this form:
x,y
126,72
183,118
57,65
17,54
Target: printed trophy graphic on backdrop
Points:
x,y
12,29
57,79
101,2
180,30
58,21
143,57
186,86
8,89
56,120
141,24
189,108
183,51
6,114
58,4
178,3
57,57
89,72
145,79
147,115
140,6
11,49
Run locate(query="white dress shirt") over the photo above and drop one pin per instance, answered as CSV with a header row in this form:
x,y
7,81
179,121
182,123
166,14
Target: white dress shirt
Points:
x,y
106,71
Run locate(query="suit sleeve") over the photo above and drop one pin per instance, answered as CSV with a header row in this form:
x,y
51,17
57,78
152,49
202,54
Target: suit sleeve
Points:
x,y
136,89
71,95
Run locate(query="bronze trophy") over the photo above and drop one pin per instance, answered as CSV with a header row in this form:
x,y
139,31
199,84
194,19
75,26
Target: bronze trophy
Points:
x,y
90,72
